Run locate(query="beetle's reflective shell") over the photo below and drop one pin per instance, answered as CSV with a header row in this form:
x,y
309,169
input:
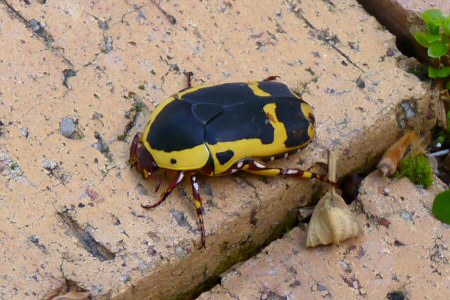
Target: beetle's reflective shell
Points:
x,y
212,127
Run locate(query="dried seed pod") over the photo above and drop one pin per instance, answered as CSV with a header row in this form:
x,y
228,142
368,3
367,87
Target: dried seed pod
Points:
x,y
332,222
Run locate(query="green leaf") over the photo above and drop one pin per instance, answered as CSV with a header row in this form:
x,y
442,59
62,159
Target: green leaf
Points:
x,y
431,14
425,39
437,49
421,38
448,86
441,207
446,26
438,73
431,38
434,19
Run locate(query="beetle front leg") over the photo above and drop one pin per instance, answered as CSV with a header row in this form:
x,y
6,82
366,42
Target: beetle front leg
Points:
x,y
199,208
255,167
167,192
133,149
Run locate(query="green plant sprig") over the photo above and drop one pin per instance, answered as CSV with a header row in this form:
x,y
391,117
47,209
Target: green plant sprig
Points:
x,y
437,41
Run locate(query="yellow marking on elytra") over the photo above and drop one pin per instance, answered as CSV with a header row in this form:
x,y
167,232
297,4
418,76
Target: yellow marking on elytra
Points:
x,y
254,86
247,148
187,159
280,130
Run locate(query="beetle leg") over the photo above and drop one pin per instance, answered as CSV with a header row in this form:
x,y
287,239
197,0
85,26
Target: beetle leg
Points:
x,y
133,149
199,207
158,184
189,78
255,167
167,192
271,78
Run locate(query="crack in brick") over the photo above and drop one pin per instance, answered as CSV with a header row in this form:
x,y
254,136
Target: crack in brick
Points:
x,y
135,9
89,243
37,30
320,34
172,20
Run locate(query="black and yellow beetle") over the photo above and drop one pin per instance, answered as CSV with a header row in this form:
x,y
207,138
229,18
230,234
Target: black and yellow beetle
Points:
x,y
221,129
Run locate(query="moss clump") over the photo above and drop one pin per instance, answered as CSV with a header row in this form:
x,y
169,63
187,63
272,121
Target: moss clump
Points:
x,y
417,168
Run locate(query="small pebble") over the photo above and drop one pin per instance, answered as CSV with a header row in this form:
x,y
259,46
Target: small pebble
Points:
x,y
68,127
97,115
35,26
345,266
360,83
24,132
406,215
103,25
108,46
49,165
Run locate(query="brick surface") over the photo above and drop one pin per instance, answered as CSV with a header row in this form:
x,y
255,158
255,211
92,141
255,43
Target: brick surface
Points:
x,y
403,253
72,213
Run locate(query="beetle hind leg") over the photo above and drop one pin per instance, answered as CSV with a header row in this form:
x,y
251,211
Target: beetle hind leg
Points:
x,y
199,208
272,78
170,188
255,167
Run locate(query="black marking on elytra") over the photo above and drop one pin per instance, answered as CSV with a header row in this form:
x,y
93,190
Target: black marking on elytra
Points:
x,y
176,128
206,112
275,89
295,122
173,161
225,95
239,122
224,157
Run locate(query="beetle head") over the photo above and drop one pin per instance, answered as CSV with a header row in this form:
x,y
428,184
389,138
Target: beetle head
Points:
x,y
142,159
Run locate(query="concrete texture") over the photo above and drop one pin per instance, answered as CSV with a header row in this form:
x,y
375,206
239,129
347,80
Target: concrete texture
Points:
x,y
403,254
71,206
